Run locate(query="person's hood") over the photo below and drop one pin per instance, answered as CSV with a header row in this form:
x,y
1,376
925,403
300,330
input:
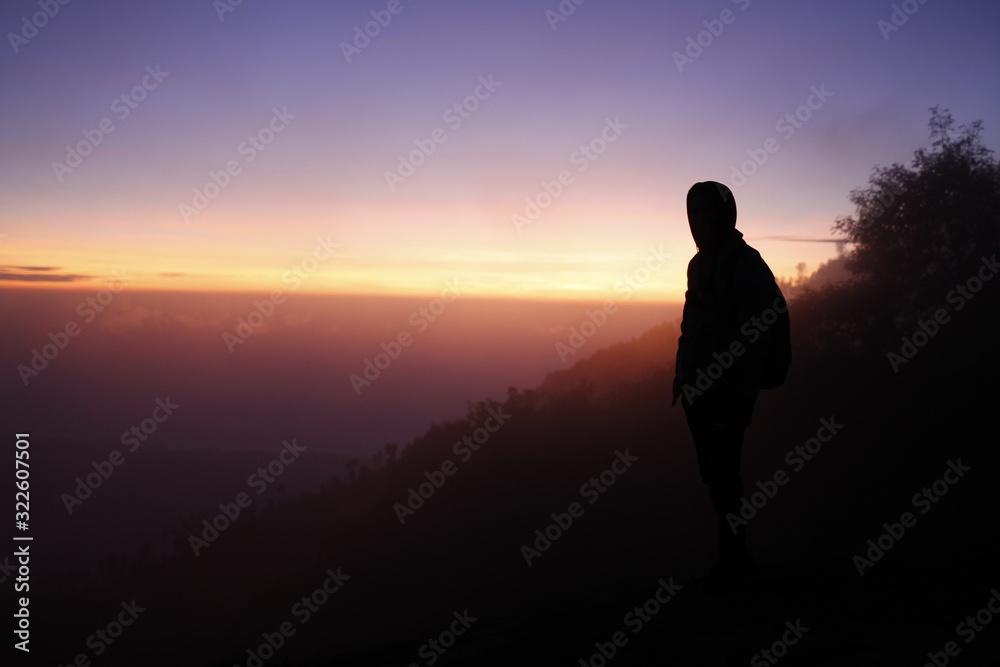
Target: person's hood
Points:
x,y
711,210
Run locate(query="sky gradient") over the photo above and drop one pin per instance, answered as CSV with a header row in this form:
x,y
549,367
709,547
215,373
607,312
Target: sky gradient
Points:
x,y
301,120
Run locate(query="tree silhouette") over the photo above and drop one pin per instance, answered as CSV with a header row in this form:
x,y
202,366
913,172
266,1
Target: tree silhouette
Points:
x,y
921,228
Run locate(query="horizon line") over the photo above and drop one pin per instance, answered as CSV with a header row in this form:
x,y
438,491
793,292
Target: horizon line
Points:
x,y
90,286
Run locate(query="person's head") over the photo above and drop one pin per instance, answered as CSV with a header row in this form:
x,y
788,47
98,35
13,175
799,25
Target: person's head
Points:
x,y
711,210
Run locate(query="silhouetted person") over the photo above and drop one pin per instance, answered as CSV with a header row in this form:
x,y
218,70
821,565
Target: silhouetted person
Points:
x,y
733,343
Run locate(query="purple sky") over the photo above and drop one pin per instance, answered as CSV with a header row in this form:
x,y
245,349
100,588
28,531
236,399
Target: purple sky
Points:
x,y
324,173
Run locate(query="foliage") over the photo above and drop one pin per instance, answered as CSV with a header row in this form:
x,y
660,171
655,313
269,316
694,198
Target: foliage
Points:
x,y
920,228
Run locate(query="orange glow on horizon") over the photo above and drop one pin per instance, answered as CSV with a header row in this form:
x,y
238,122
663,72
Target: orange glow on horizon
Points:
x,y
553,295
566,256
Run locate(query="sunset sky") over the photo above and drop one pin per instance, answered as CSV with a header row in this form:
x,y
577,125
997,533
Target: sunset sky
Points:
x,y
331,121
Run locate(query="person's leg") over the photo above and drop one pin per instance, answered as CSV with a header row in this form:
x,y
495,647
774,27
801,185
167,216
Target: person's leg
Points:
x,y
719,449
726,486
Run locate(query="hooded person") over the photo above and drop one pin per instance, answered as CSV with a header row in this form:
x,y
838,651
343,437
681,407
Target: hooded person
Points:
x,y
718,367
711,210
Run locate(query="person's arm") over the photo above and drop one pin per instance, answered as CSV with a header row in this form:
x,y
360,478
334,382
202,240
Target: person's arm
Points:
x,y
682,341
679,360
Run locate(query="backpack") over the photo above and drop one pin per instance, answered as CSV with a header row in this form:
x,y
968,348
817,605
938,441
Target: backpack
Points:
x,y
774,348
